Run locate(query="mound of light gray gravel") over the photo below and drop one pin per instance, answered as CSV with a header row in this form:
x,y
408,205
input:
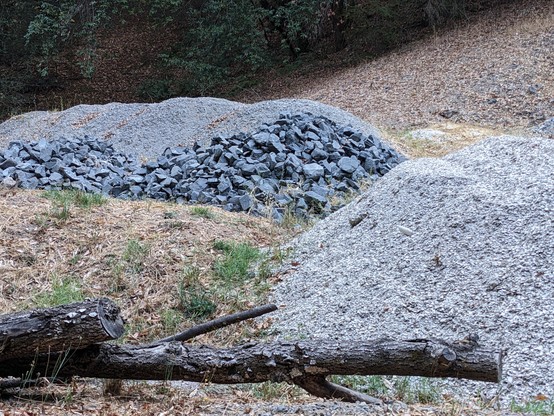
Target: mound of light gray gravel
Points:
x,y
145,130
440,248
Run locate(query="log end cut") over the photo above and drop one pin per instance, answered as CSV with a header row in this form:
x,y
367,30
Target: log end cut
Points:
x,y
109,314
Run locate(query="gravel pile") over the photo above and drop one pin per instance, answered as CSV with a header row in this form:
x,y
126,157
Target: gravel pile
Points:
x,y
299,163
146,130
440,248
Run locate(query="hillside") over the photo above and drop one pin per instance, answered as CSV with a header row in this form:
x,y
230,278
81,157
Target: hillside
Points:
x,y
429,98
492,72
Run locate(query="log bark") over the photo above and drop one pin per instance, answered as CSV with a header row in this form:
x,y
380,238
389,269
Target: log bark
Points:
x,y
73,326
303,363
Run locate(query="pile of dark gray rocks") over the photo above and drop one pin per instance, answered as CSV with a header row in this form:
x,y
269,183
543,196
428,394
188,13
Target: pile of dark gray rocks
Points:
x,y
302,164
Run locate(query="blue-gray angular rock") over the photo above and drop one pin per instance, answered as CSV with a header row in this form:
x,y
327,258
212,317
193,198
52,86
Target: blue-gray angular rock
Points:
x,y
319,154
261,138
8,163
348,164
245,202
282,199
313,198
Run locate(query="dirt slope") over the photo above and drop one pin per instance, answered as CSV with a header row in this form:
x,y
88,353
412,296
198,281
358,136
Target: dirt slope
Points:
x,y
495,70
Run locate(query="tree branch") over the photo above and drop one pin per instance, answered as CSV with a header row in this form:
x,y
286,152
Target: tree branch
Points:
x,y
72,326
305,363
219,323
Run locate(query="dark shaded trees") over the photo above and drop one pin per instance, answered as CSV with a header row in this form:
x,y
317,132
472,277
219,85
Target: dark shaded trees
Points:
x,y
217,40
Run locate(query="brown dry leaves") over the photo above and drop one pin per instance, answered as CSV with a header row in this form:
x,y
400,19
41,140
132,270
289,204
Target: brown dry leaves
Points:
x,y
36,248
495,70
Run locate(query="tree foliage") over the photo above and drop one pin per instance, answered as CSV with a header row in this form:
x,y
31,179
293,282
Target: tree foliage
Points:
x,y
219,39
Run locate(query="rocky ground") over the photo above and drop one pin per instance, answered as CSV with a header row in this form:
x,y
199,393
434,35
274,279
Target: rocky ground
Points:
x,y
298,164
430,98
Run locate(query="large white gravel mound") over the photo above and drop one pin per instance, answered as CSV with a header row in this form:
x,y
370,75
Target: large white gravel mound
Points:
x,y
480,260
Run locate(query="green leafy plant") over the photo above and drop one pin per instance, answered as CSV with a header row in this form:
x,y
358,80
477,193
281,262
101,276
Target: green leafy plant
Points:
x,y
534,407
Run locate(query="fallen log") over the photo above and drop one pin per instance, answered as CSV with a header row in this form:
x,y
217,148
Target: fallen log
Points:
x,y
65,327
304,363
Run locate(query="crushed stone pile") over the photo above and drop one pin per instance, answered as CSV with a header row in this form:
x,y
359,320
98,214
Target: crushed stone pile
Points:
x,y
303,164
440,248
147,129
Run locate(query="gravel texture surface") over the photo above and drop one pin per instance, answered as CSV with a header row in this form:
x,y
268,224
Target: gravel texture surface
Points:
x,y
145,130
480,259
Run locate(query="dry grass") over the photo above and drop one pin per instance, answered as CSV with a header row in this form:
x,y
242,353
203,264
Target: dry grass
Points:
x,y
83,397
454,137
136,253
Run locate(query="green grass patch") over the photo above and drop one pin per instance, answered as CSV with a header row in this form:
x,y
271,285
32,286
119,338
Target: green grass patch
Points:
x,y
63,200
534,407
64,290
135,255
203,212
409,390
270,391
416,390
194,300
237,260
74,197
171,320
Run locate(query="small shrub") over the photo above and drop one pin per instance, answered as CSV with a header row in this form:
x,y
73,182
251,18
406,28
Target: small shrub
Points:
x,y
155,90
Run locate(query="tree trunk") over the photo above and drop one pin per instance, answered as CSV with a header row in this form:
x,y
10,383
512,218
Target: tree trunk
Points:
x,y
303,363
73,326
